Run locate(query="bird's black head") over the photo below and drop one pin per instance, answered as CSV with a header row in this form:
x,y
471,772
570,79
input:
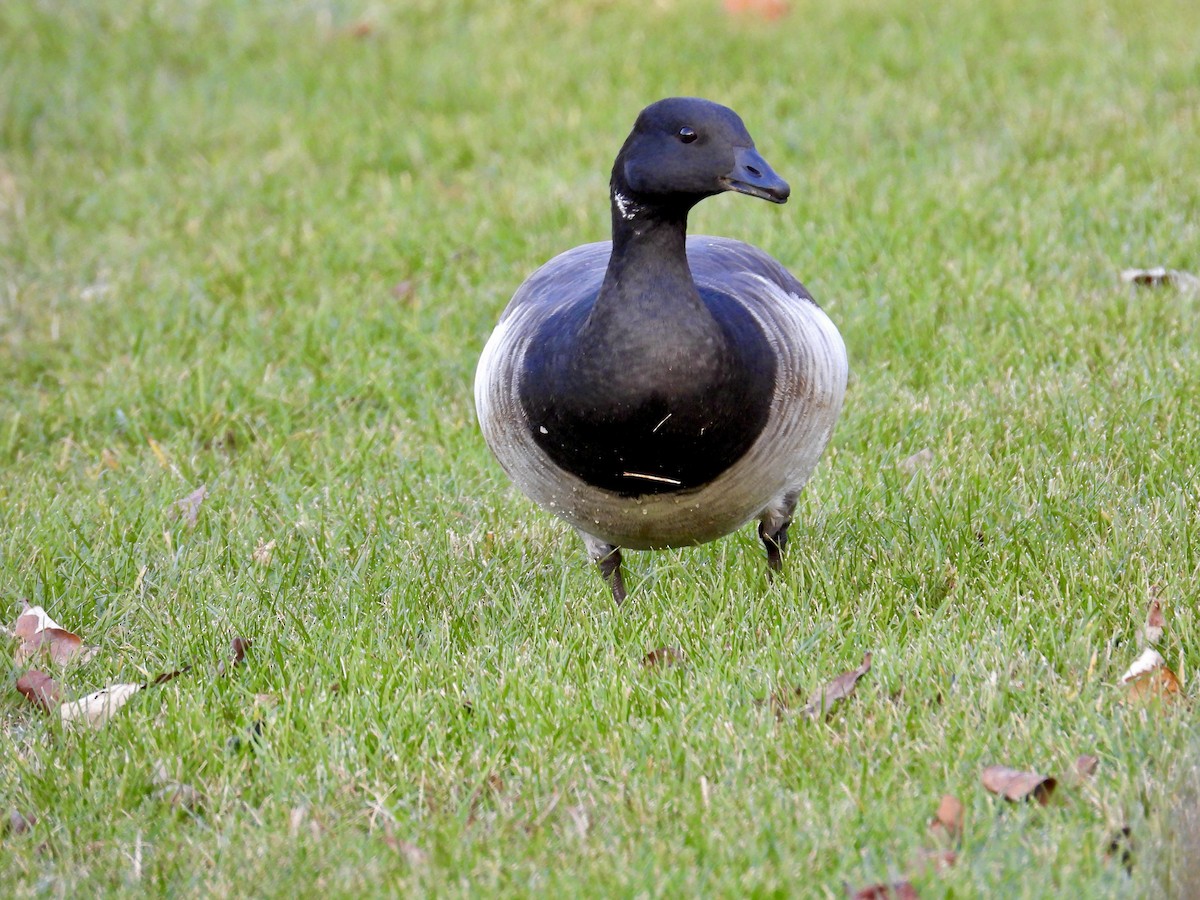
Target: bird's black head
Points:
x,y
684,149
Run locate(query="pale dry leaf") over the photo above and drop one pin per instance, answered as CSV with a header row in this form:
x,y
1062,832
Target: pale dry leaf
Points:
x,y
38,687
922,459
1086,765
822,701
32,620
661,657
1150,660
1160,276
98,708
1015,785
188,508
262,553
947,822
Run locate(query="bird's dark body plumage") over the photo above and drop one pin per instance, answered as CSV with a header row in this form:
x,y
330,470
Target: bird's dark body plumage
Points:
x,y
658,390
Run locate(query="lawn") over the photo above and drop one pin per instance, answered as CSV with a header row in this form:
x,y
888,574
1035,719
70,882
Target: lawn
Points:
x,y
257,247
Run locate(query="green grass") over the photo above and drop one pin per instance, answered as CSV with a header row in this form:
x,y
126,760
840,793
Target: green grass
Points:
x,y
206,210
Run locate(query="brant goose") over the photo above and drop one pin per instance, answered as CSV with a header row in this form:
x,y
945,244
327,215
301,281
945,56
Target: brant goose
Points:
x,y
660,390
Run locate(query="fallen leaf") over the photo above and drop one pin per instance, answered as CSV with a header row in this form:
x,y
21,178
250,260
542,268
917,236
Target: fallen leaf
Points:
x,y
1160,276
1150,660
948,820
188,508
1015,785
98,708
38,687
663,657
237,650
822,702
38,634
897,890
1148,678
1156,622
1086,765
1160,684
32,620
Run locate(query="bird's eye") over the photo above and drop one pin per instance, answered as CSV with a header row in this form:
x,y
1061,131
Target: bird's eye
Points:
x,y
687,135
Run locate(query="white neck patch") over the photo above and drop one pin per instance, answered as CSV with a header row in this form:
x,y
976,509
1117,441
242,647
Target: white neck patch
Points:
x,y
625,206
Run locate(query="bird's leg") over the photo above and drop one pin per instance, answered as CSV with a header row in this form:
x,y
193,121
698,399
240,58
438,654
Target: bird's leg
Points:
x,y
773,529
775,542
608,558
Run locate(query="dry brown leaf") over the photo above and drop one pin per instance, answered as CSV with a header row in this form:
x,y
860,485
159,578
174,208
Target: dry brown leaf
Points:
x,y
1086,765
897,890
98,708
237,655
38,687
40,634
188,508
1015,785
1159,684
662,657
947,822
1156,622
1148,678
822,702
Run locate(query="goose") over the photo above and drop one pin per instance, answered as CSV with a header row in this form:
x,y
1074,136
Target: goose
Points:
x,y
663,390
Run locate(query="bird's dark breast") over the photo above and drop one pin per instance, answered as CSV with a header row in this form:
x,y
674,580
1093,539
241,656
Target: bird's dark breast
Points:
x,y
656,412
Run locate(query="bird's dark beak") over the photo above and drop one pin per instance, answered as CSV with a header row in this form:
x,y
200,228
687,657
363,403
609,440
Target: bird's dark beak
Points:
x,y
751,175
